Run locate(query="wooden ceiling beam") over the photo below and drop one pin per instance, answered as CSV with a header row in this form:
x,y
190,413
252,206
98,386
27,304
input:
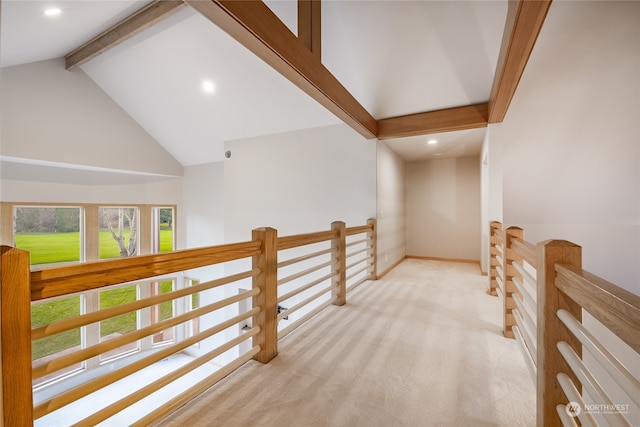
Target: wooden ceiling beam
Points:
x,y
125,29
523,24
298,59
310,25
256,27
447,120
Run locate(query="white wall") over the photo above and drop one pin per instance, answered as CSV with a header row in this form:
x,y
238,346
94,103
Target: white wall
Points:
x,y
163,191
391,208
571,138
55,115
296,182
571,147
201,216
201,223
299,182
443,208
491,192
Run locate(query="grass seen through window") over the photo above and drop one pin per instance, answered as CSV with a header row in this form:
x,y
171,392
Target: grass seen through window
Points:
x,y
47,248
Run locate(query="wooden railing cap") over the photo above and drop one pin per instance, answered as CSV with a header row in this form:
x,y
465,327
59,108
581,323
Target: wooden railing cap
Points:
x,y
559,243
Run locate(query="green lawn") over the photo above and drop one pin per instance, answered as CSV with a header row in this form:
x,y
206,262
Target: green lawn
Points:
x,y
63,247
48,311
47,248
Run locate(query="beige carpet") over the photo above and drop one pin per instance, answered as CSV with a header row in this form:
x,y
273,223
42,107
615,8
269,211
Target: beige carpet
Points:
x,y
420,347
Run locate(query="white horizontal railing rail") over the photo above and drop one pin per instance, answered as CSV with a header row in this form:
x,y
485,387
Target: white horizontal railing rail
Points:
x,y
544,311
317,274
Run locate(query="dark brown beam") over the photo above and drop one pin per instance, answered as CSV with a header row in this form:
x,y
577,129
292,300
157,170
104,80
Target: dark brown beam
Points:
x,y
125,29
523,24
309,25
448,120
256,27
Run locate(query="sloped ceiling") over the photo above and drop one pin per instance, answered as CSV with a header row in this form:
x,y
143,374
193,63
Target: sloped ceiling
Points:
x,y
394,57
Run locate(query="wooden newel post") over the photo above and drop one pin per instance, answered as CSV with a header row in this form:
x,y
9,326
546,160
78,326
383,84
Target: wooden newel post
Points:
x,y
267,299
495,228
339,269
510,257
551,330
15,330
373,249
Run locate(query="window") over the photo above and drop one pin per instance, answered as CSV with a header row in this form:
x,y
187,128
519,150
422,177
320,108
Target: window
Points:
x,y
48,348
194,304
50,234
118,232
55,234
119,325
87,232
162,311
163,230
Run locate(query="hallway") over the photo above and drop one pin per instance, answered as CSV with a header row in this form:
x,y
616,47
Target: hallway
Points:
x,y
420,347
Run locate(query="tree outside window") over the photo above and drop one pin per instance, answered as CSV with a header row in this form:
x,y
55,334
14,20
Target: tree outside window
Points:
x,y
118,232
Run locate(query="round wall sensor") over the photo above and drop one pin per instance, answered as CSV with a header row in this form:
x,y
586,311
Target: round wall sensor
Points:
x,y
227,154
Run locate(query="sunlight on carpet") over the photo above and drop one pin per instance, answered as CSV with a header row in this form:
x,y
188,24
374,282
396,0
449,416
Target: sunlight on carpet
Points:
x,y
420,347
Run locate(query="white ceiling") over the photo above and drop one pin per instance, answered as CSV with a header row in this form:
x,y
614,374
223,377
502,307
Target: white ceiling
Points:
x,y
395,57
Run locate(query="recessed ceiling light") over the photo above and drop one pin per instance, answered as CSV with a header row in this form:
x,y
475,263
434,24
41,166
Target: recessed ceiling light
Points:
x,y
53,11
208,86
432,141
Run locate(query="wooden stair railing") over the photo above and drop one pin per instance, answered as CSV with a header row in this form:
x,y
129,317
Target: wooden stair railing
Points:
x,y
20,286
545,293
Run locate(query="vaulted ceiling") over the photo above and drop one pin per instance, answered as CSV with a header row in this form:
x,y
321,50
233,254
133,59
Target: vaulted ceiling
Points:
x,y
402,71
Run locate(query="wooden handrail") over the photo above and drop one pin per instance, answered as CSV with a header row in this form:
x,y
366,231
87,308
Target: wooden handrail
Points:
x,y
350,231
614,307
289,242
526,250
294,241
106,313
60,281
563,290
22,285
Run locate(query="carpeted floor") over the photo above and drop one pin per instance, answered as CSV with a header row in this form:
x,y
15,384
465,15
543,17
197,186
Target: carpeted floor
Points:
x,y
420,347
